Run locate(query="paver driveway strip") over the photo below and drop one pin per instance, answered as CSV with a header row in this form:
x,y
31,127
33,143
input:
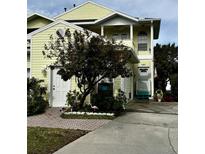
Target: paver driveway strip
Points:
x,y
52,119
132,133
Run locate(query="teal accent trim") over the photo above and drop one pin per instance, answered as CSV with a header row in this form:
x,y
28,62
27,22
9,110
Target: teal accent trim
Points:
x,y
142,94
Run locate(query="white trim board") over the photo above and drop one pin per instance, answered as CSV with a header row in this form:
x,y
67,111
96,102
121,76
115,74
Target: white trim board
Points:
x,y
114,11
80,6
110,15
55,23
114,14
40,15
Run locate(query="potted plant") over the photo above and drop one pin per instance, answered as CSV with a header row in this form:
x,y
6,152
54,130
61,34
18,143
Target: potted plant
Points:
x,y
159,95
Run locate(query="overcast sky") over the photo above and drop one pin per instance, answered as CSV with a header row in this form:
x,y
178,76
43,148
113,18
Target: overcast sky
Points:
x,y
167,10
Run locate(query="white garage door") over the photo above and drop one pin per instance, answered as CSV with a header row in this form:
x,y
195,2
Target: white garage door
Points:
x,y
60,89
144,85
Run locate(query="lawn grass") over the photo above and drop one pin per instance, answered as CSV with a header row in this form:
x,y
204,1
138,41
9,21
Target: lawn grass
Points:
x,y
48,140
75,116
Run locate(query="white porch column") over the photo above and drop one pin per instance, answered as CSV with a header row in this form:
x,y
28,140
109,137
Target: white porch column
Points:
x,y
102,30
131,35
152,37
50,87
152,62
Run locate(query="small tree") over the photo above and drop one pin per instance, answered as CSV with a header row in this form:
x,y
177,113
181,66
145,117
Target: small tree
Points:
x,y
88,57
166,64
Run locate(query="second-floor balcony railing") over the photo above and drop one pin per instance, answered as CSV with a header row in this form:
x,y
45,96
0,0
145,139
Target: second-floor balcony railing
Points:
x,y
128,43
134,46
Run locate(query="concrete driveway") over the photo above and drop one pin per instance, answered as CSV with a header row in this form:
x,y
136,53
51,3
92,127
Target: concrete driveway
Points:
x,y
153,107
132,133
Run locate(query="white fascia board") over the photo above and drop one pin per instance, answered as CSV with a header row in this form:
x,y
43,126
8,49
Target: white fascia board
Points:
x,y
113,14
154,19
40,15
100,20
80,6
101,5
70,10
55,23
106,17
114,11
83,23
28,37
126,16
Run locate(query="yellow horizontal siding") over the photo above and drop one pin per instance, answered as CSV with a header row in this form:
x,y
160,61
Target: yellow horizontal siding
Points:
x,y
38,22
87,11
38,62
117,85
74,84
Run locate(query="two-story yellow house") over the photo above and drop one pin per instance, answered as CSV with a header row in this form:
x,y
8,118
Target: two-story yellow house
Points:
x,y
136,33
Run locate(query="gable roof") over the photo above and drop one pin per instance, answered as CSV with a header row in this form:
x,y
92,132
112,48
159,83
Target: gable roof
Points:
x,y
114,14
55,23
83,4
156,23
34,15
91,2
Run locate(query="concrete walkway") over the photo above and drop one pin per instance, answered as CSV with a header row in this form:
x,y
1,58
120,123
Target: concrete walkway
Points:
x,y
52,119
132,133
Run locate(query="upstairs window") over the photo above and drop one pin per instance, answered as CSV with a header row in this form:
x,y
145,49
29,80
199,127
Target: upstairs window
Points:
x,y
142,41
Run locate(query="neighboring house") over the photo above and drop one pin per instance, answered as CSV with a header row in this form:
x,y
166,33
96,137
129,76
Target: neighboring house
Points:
x,y
136,33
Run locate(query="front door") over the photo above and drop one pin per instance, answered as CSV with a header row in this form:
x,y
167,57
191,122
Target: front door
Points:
x,y
59,90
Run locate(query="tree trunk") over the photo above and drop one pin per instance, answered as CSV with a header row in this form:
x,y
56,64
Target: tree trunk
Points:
x,y
82,100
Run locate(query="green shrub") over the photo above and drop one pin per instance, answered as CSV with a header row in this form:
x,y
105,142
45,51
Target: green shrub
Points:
x,y
102,102
73,99
120,101
36,102
107,104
